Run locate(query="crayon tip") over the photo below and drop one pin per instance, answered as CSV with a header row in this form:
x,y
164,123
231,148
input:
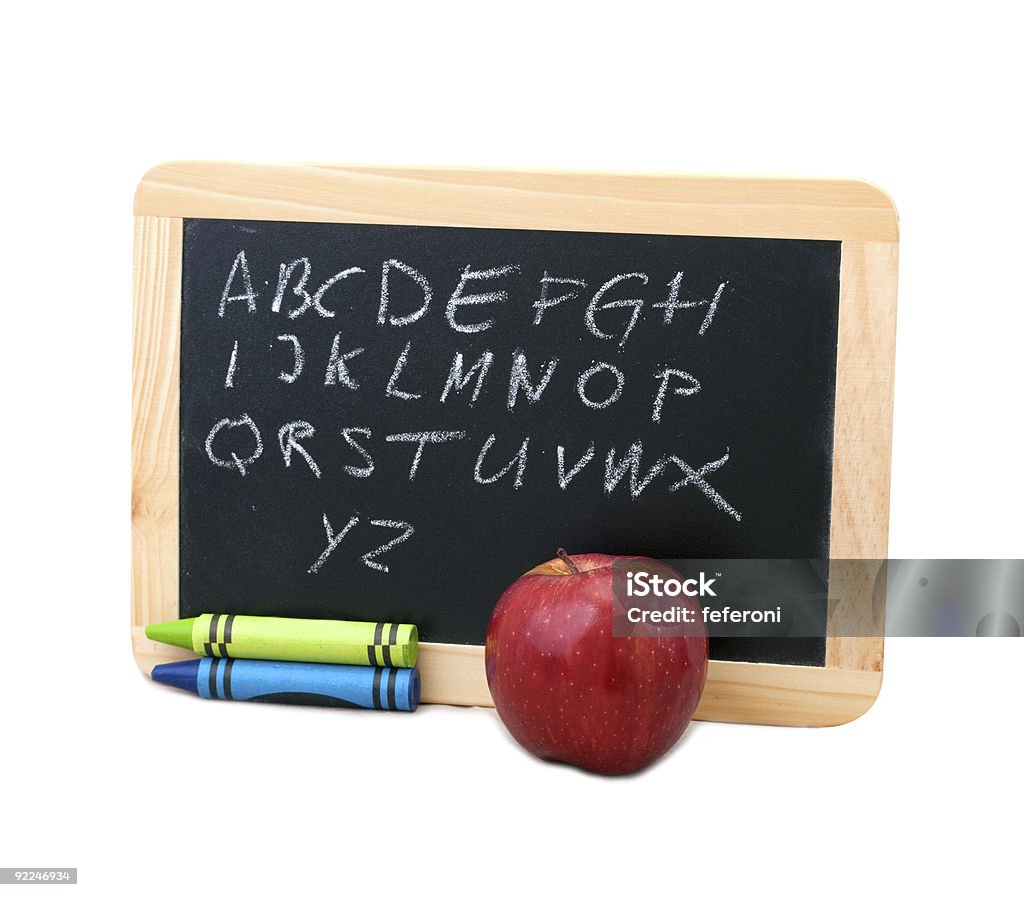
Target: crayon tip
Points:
x,y
174,632
181,674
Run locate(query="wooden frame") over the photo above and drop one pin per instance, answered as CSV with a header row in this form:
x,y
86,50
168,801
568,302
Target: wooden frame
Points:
x,y
856,213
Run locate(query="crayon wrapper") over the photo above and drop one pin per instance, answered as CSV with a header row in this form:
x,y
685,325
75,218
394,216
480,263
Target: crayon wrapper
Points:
x,y
306,641
318,684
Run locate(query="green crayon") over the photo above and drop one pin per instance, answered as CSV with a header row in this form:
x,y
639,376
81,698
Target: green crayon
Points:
x,y
284,638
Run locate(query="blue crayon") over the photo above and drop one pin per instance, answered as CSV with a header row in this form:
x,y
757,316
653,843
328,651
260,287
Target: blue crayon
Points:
x,y
319,684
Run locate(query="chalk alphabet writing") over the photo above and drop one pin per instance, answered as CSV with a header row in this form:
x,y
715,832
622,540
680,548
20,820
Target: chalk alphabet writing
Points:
x,y
485,301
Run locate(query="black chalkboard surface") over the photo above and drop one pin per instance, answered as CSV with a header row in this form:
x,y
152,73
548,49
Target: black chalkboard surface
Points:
x,y
395,422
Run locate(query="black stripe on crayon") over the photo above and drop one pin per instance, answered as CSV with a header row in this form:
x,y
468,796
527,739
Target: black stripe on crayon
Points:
x,y
227,634
214,620
376,688
377,633
213,677
227,679
386,650
392,681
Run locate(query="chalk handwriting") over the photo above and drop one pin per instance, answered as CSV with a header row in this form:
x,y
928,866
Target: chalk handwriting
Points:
x,y
519,378
672,303
396,373
434,437
601,385
627,467
407,531
693,386
480,303
337,371
712,308
333,540
309,300
298,358
249,296
613,397
385,292
564,479
294,277
288,438
546,302
636,304
460,381
460,299
351,470
518,460
229,379
696,478
236,463
614,470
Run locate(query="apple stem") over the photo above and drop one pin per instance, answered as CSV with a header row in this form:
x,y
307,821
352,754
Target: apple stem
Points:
x,y
563,556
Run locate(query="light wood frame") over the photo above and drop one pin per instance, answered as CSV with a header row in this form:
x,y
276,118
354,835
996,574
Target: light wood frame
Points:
x,y
858,214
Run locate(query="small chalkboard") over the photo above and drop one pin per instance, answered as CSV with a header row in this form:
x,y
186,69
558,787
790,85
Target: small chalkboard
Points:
x,y
386,410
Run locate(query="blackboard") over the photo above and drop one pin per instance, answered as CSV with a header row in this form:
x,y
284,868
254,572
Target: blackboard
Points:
x,y
670,396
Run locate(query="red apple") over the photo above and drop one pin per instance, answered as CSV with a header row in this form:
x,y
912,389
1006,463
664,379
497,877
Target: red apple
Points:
x,y
568,690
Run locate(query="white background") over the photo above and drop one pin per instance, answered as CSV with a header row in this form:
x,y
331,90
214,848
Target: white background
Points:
x,y
137,784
